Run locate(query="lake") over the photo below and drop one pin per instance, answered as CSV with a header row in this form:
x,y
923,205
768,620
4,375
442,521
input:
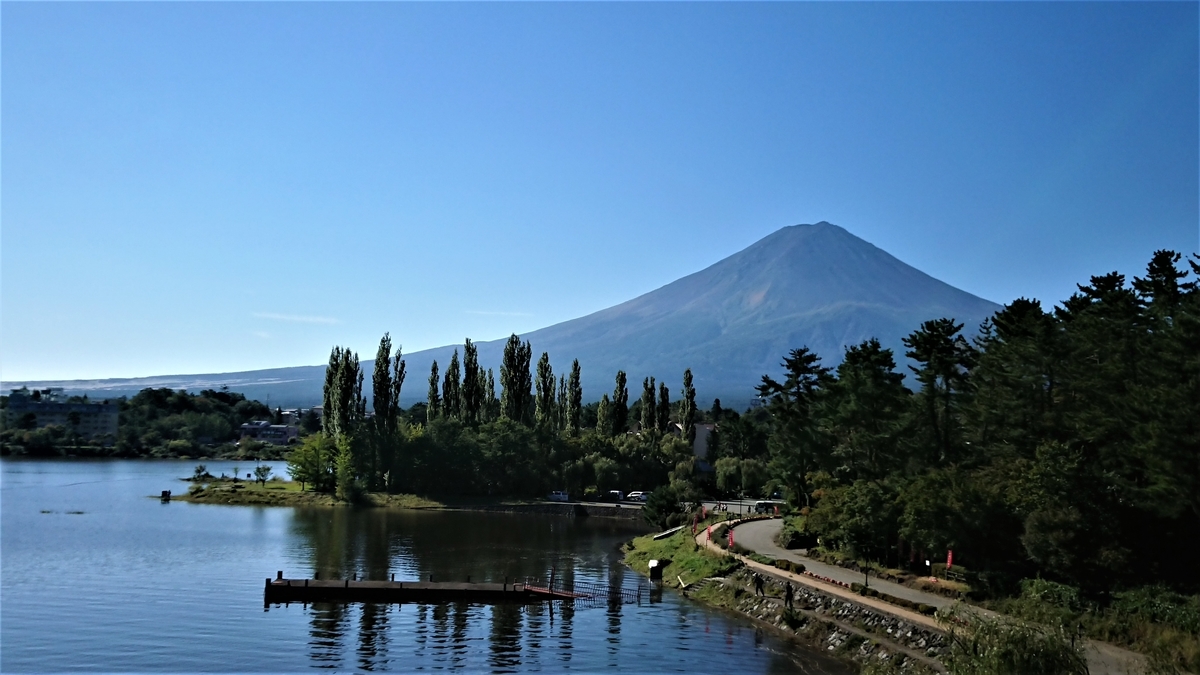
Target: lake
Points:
x,y
97,576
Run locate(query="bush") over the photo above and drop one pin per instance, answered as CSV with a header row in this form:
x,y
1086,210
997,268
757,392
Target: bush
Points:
x,y
789,566
1051,593
1158,604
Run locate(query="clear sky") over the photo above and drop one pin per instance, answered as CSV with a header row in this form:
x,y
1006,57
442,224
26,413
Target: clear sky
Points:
x,y
209,187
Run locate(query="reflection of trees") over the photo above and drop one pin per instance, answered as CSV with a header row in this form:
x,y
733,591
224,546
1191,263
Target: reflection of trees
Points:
x,y
451,546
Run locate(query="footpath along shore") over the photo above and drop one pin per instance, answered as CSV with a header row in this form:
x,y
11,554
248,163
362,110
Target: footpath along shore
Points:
x,y
758,536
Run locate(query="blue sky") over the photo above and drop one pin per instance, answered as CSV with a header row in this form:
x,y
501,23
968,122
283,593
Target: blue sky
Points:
x,y
214,187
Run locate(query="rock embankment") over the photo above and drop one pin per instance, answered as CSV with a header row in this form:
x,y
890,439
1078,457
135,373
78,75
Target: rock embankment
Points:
x,y
838,626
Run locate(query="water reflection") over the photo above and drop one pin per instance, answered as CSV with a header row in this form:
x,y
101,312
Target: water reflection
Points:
x,y
132,553
383,544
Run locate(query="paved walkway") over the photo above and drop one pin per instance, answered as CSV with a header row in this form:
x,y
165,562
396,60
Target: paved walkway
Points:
x,y
759,536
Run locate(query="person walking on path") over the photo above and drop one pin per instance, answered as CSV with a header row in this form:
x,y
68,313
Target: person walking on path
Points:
x,y
758,584
788,595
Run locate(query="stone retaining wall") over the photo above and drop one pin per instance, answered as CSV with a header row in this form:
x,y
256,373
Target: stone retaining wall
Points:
x,y
839,626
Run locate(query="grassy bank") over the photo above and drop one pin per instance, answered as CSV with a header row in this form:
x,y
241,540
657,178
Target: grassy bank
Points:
x,y
1163,625
288,493
688,561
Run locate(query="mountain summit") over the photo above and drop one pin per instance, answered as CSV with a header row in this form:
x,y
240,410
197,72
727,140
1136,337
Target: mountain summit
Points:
x,y
806,285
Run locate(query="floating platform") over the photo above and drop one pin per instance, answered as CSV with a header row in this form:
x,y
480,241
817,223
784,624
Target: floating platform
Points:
x,y
280,590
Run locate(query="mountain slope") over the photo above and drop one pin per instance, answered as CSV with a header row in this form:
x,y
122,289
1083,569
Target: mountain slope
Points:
x,y
805,285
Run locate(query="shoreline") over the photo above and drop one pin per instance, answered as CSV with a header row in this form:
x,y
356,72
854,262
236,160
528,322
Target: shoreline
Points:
x,y
853,633
286,493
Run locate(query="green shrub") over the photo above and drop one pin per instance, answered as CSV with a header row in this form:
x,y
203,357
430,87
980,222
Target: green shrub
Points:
x,y
1158,604
1051,593
789,566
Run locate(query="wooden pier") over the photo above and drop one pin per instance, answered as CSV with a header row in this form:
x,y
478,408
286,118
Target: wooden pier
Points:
x,y
280,590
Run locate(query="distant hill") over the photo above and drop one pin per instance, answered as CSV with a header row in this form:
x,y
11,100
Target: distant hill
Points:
x,y
805,285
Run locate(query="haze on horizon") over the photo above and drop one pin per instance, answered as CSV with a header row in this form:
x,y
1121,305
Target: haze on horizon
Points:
x,y
216,187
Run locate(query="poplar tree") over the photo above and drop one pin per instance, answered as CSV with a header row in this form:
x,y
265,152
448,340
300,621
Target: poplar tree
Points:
x,y
687,410
545,415
386,382
435,400
604,423
663,418
574,400
345,405
648,405
562,396
516,381
451,402
471,394
620,405
492,405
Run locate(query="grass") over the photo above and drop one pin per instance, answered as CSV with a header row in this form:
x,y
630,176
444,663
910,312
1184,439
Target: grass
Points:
x,y
288,493
1163,625
688,561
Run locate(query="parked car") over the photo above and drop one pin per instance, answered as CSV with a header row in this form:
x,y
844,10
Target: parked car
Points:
x,y
636,496
558,496
615,496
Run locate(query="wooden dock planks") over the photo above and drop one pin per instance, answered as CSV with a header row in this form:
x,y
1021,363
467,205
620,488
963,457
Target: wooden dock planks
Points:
x,y
346,590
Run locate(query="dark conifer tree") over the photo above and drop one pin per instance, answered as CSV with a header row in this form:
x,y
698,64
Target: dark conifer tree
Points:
x,y
492,404
649,418
470,394
945,360
662,417
604,422
516,382
574,400
620,405
434,399
546,417
687,408
451,382
386,381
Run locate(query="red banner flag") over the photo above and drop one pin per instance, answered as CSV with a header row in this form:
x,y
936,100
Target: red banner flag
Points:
x,y
709,533
949,558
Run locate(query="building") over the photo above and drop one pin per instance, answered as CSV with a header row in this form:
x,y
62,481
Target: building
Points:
x,y
275,434
45,407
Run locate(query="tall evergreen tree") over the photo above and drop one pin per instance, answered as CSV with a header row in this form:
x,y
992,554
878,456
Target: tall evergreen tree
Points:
x,y
604,422
492,404
470,394
864,411
797,447
451,382
343,394
649,406
434,399
516,382
662,417
574,400
386,381
620,405
945,360
563,412
687,409
545,417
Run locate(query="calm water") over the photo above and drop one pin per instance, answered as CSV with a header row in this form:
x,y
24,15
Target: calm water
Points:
x,y
98,577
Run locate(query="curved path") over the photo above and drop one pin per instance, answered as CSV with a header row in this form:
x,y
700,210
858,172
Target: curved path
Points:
x,y
759,536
